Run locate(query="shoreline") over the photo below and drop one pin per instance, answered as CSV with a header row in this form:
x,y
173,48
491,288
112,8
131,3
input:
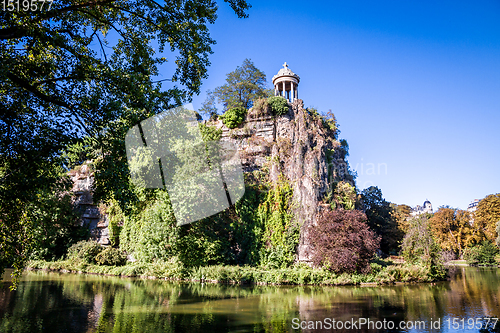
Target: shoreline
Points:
x,y
245,275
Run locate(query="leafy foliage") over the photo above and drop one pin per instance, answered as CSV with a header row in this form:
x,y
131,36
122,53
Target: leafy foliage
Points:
x,y
487,216
115,218
234,117
344,196
343,242
381,219
229,237
280,234
401,213
152,234
330,122
420,247
453,231
243,85
62,79
84,251
53,224
482,254
210,133
111,256
278,104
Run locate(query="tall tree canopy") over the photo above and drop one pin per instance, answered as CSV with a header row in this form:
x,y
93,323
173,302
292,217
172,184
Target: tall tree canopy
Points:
x,y
87,69
243,85
452,230
487,216
382,220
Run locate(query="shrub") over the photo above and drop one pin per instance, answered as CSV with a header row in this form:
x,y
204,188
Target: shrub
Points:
x,y
84,251
343,242
420,248
278,104
447,255
210,133
260,108
111,256
484,254
234,117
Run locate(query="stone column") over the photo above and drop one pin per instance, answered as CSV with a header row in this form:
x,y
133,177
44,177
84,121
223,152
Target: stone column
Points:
x,y
291,91
275,90
284,91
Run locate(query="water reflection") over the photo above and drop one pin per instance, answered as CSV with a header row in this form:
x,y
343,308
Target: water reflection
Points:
x,y
86,303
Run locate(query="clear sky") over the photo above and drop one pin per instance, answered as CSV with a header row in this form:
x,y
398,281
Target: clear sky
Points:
x,y
415,85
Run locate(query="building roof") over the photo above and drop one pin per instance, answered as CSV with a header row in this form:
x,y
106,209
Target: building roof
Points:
x,y
285,71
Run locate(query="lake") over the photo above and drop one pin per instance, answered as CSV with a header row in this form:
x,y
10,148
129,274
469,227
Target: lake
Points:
x,y
56,302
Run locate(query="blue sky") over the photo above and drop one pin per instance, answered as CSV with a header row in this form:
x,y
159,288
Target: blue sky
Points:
x,y
415,86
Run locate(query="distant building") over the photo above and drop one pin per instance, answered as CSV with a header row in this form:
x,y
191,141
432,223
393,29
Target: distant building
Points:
x,y
471,209
473,205
426,208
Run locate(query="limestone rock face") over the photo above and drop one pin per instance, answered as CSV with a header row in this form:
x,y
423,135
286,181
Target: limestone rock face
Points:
x,y
299,146
92,217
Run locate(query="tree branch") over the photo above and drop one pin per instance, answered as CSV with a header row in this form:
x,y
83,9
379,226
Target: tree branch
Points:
x,y
26,85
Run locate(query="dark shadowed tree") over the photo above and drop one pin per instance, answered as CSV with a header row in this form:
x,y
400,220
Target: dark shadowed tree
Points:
x,y
87,69
381,219
343,242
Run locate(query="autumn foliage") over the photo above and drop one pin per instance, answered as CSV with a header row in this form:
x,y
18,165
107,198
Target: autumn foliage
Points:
x,y
452,229
343,242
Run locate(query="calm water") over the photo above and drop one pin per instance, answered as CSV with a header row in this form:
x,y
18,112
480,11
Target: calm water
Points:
x,y
52,302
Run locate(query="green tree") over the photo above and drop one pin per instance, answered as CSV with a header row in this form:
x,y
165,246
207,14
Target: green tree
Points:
x,y
344,196
482,254
380,218
87,69
243,85
419,246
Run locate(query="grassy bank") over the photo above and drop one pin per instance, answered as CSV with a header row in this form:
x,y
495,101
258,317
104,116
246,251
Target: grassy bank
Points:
x,y
384,272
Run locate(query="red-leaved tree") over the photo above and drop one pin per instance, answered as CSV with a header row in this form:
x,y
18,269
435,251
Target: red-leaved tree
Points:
x,y
343,242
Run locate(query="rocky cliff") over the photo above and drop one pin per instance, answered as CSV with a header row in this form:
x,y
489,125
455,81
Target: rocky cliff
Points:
x,y
301,145
92,216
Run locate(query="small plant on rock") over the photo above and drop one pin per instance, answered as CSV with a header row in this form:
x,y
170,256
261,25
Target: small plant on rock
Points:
x,y
234,117
278,104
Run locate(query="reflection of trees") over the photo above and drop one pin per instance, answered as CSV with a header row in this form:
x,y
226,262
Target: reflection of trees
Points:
x,y
79,303
475,288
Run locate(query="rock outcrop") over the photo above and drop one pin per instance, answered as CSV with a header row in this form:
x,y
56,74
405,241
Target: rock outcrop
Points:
x,y
299,145
91,216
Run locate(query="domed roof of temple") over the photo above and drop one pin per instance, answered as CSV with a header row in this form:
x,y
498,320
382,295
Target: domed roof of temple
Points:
x,y
285,71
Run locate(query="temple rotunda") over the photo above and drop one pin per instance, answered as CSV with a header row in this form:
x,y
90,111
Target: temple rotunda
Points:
x,y
286,84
